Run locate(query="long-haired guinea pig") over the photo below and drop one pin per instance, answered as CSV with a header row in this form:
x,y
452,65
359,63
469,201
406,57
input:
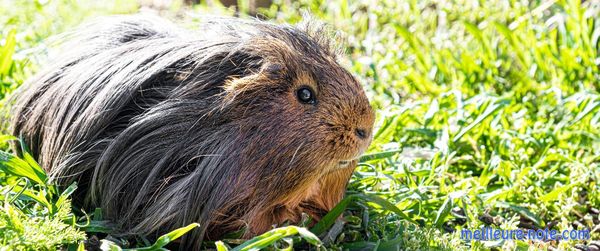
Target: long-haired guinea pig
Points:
x,y
238,124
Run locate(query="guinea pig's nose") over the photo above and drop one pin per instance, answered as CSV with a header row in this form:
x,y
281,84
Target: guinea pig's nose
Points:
x,y
361,133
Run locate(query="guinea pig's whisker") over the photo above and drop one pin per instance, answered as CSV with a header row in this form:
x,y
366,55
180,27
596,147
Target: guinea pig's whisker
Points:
x,y
296,152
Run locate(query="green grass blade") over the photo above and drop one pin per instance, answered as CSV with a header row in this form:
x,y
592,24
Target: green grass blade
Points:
x,y
167,238
16,166
7,51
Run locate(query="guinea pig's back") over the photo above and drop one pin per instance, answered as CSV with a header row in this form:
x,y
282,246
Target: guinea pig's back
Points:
x,y
107,73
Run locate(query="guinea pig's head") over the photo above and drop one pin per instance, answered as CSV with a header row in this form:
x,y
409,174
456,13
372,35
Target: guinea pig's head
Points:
x,y
296,102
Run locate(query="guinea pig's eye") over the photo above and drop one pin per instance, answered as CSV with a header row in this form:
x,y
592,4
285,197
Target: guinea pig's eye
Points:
x,y
306,95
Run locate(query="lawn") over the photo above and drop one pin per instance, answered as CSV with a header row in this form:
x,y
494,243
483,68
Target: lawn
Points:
x,y
488,115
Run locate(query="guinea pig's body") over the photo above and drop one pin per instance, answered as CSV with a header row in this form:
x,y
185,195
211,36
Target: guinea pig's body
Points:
x,y
240,124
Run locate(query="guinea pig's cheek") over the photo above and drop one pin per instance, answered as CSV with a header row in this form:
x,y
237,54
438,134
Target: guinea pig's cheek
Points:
x,y
359,151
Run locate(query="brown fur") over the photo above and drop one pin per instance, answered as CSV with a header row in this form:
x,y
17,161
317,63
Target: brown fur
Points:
x,y
162,127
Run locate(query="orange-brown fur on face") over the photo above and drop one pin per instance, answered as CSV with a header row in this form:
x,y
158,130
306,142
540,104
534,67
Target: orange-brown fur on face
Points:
x,y
163,127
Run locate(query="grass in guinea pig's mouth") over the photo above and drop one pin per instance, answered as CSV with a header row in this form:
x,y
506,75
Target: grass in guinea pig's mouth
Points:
x,y
344,163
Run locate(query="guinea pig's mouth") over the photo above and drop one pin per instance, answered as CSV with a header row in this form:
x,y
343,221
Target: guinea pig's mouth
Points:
x,y
344,163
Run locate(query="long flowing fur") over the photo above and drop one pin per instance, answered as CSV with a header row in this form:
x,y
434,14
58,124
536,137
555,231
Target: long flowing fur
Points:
x,y
161,126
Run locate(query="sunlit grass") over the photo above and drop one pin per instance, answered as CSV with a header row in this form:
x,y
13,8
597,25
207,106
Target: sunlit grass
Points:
x,y
488,114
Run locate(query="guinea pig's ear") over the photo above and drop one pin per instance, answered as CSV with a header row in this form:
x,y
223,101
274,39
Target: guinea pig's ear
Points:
x,y
244,73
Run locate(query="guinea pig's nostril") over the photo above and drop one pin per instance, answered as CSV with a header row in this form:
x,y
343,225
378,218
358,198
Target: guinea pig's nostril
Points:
x,y
361,133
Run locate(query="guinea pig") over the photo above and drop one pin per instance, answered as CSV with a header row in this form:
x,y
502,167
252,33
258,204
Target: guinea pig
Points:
x,y
237,124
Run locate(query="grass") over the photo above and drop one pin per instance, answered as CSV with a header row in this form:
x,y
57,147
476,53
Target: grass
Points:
x,y
488,114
